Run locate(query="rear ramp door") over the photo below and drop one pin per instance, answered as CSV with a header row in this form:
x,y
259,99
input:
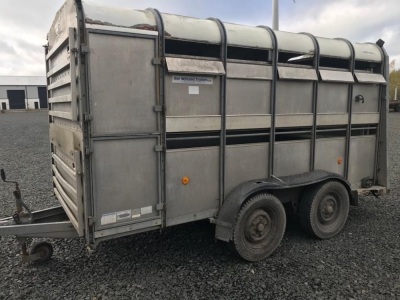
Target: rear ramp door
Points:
x,y
124,133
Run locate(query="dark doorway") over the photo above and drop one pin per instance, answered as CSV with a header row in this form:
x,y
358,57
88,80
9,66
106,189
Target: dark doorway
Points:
x,y
3,106
16,99
36,105
42,91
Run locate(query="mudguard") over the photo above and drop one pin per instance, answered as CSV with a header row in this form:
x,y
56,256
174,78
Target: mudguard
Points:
x,y
230,208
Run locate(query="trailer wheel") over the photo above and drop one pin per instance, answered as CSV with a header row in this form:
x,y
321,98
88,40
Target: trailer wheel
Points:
x,y
324,209
44,248
259,228
397,108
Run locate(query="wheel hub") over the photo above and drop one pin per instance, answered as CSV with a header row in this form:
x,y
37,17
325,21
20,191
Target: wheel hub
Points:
x,y
258,226
327,209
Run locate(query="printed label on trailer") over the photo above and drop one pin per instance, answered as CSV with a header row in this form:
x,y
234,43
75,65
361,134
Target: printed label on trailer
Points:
x,y
108,218
124,214
192,80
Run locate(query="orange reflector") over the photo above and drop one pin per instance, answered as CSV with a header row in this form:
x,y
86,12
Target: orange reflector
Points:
x,y
340,160
185,180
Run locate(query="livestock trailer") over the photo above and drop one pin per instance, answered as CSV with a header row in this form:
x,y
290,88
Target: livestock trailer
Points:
x,y
158,120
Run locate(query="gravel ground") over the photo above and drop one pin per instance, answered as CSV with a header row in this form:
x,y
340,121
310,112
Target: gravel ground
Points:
x,y
185,262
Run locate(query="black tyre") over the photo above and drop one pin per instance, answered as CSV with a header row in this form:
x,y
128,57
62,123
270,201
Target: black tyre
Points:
x,y
397,108
324,208
259,227
44,248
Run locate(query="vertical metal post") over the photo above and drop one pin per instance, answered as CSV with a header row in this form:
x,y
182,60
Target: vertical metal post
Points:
x,y
274,64
314,101
395,93
381,150
352,65
222,157
275,14
161,101
84,108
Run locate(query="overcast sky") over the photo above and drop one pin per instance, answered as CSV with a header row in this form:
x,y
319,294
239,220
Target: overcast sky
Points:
x,y
24,23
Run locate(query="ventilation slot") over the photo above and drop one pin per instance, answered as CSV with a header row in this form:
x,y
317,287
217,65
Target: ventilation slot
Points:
x,y
248,54
186,48
291,134
326,132
363,130
334,63
296,58
369,67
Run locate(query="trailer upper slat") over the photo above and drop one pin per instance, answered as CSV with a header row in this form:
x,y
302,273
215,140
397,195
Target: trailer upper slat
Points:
x,y
336,76
370,78
297,73
194,66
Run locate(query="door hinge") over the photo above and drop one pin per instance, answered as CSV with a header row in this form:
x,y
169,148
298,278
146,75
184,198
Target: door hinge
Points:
x,y
160,206
91,221
159,108
84,49
87,117
88,150
159,61
159,148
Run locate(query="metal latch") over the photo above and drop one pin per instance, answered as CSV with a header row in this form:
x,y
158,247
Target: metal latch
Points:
x,y
159,61
91,221
160,206
360,98
159,148
87,117
159,108
88,150
84,49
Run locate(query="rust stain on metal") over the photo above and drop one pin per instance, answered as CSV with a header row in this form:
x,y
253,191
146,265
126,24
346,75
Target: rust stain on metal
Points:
x,y
145,27
98,22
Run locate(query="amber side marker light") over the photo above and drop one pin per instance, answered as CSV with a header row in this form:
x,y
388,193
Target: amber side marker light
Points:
x,y
185,180
340,160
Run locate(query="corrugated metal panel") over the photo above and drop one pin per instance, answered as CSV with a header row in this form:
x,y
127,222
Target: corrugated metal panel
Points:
x,y
368,52
118,17
194,66
294,42
333,48
23,80
370,78
246,36
180,27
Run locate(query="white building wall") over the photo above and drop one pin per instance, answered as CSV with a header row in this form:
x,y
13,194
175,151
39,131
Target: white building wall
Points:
x,y
6,102
31,103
